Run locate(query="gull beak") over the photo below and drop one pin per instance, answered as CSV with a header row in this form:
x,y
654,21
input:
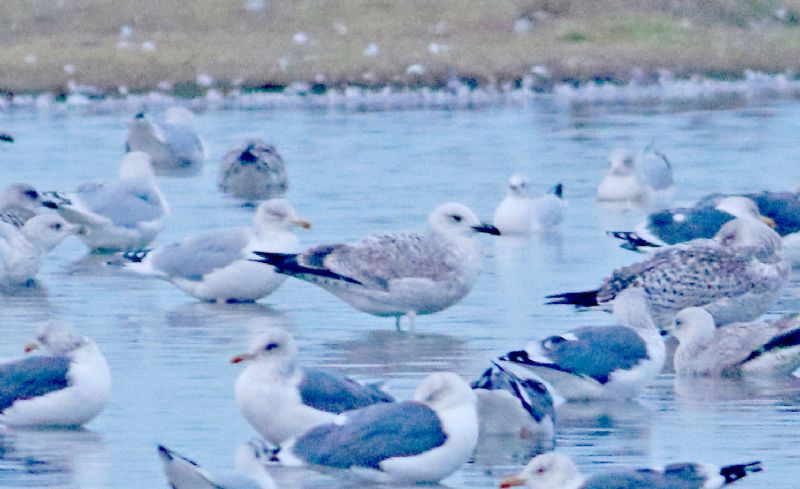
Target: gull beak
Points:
x,y
486,228
241,358
768,221
512,481
30,347
302,223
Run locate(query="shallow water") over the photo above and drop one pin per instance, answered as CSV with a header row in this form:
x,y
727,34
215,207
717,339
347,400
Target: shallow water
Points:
x,y
352,173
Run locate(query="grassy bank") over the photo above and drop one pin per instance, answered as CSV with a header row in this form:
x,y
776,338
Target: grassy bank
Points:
x,y
46,43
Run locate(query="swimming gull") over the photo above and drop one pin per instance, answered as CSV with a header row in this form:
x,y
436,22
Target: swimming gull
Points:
x,y
253,171
518,213
508,404
67,387
397,274
682,224
248,472
557,471
215,266
642,177
18,203
122,215
22,250
424,440
758,347
172,142
600,362
281,399
736,276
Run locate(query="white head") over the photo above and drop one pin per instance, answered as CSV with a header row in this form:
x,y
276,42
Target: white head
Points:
x,y
278,214
693,326
179,115
59,339
454,219
631,309
742,207
136,165
47,230
20,195
549,470
749,233
623,162
249,462
444,390
518,185
274,348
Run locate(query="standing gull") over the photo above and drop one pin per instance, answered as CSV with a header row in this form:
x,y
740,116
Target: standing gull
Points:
x,y
253,171
172,143
122,215
248,471
736,276
281,399
397,274
424,440
518,213
557,471
67,387
600,362
22,250
215,266
18,203
759,347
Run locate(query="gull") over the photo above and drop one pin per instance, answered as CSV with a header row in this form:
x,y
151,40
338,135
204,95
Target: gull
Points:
x,y
636,177
424,440
253,171
758,347
22,250
508,404
736,276
172,143
401,273
67,387
518,213
18,203
557,471
122,215
248,472
214,266
600,362
281,399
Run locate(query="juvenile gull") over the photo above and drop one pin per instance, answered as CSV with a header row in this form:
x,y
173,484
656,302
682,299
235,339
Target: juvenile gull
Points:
x,y
18,203
632,177
215,266
600,362
424,440
557,471
508,404
759,347
122,215
172,143
22,250
397,274
248,471
253,171
736,276
67,387
519,213
281,399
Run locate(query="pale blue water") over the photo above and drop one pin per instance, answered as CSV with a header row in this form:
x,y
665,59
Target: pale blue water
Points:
x,y
352,173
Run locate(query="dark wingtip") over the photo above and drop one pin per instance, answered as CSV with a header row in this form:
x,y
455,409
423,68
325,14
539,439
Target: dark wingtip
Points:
x,y
8,138
247,156
558,190
50,204
733,473
165,451
586,298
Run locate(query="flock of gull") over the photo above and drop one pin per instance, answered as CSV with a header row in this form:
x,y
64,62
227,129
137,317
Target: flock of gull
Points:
x,y
706,275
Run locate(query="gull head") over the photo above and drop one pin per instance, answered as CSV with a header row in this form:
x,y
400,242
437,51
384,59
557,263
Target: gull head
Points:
x,y
48,230
20,195
623,162
742,207
454,219
136,165
59,339
749,233
693,325
444,390
278,214
274,347
518,185
546,471
630,309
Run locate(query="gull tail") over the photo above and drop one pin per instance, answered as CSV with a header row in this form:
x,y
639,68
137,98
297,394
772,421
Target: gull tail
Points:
x,y
586,298
558,190
633,241
733,473
288,264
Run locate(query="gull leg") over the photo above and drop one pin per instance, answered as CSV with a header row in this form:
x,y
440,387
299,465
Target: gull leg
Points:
x,y
397,323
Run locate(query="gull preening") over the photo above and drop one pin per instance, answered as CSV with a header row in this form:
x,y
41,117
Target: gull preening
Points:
x,y
23,250
600,362
121,215
67,387
632,177
736,276
424,440
399,274
215,267
759,347
248,471
253,171
557,471
18,203
281,399
519,213
172,143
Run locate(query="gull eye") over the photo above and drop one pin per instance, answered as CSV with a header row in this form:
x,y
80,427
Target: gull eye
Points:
x,y
456,218
271,346
56,226
31,194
